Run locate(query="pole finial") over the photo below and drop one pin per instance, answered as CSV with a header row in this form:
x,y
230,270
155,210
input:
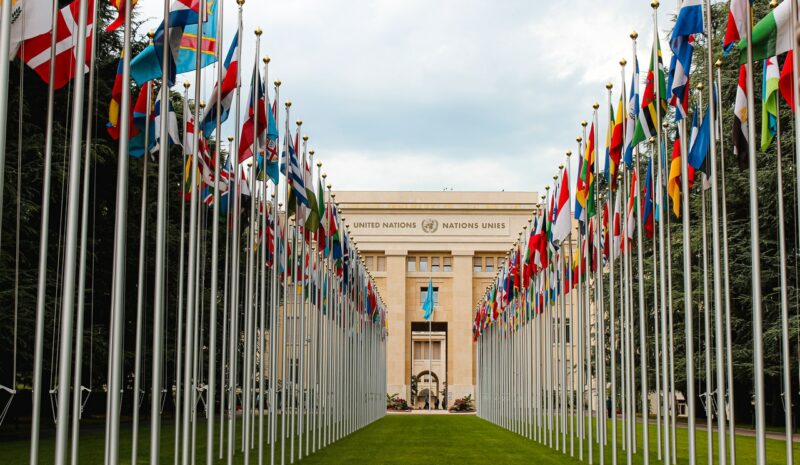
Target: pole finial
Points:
x,y
634,35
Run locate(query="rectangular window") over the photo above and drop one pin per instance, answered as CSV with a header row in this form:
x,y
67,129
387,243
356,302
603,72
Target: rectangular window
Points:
x,y
423,264
381,262
477,266
568,329
447,264
411,264
435,264
423,294
369,262
489,268
437,350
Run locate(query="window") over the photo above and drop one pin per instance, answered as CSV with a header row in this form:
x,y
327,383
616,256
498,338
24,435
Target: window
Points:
x,y
423,294
381,262
476,264
369,262
447,265
411,264
568,329
423,264
423,350
489,268
435,264
557,331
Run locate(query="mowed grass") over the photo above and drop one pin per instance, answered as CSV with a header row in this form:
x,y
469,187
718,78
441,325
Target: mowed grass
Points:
x,y
394,439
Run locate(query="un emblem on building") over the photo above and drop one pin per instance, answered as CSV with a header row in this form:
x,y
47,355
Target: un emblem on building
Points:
x,y
429,225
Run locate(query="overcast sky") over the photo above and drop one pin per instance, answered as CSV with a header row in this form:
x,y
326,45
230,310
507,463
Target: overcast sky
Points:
x,y
420,95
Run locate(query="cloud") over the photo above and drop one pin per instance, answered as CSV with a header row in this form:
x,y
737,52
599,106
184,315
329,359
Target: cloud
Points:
x,y
472,95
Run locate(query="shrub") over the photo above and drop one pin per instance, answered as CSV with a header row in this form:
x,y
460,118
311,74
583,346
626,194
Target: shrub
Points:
x,y
464,404
394,402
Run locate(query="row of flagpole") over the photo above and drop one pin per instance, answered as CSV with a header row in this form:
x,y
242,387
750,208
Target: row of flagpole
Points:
x,y
302,346
557,331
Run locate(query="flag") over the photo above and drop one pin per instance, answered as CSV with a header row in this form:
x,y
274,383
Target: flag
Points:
x,y
146,66
187,55
616,243
674,182
114,106
633,202
737,22
633,113
615,151
36,50
646,124
769,107
29,19
294,175
140,120
688,23
563,222
224,91
585,188
172,125
647,216
119,21
322,231
771,36
256,122
699,140
313,219
740,122
785,82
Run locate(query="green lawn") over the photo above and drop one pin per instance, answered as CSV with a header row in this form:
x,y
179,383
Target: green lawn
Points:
x,y
395,439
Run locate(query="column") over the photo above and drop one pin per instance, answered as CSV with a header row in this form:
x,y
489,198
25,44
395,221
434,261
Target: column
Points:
x,y
459,330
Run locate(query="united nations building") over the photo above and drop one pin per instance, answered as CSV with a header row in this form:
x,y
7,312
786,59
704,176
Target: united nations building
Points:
x,y
457,240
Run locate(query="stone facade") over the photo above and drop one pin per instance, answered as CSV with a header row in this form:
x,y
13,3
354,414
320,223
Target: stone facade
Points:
x,y
455,239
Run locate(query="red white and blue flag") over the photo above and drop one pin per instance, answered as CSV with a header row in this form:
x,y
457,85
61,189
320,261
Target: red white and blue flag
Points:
x,y
224,92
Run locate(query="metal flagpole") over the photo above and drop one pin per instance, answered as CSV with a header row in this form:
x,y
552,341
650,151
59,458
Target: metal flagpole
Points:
x,y
787,372
286,137
598,289
137,364
725,275
611,283
581,311
120,234
234,286
41,282
77,389
687,293
212,344
159,288
715,246
179,329
191,294
302,309
261,265
755,257
663,296
275,298
706,321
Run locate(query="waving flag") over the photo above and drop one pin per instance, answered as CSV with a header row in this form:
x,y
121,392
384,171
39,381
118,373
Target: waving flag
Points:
x,y
140,119
771,36
36,51
785,82
29,19
633,114
256,121
114,106
737,22
146,66
647,217
740,122
585,189
646,125
615,151
699,140
688,23
172,125
563,221
223,91
769,108
119,21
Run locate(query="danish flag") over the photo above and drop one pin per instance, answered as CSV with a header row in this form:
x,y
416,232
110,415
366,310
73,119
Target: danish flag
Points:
x,y
35,52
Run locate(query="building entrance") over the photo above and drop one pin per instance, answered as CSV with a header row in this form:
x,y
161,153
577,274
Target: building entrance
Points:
x,y
429,364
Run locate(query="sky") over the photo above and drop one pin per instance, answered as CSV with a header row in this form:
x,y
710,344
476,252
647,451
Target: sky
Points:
x,y
465,95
